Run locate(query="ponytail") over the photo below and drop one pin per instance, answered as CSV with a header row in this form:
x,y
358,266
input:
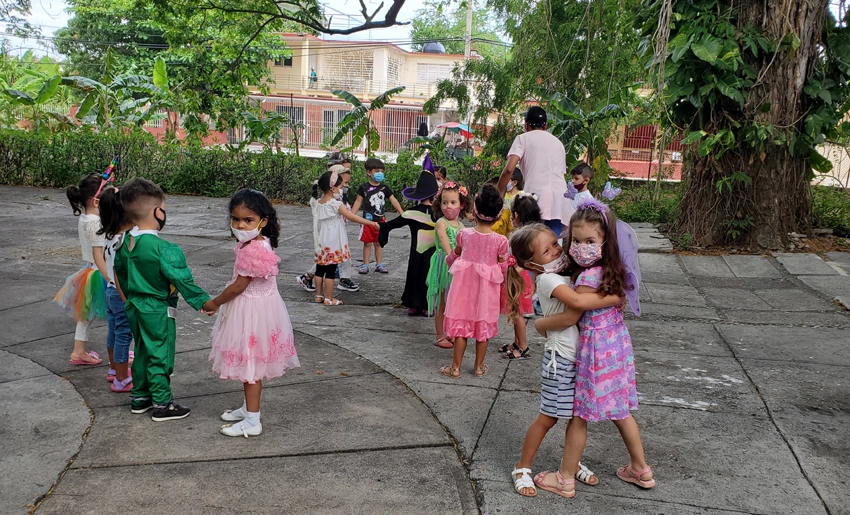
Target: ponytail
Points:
x,y
80,194
515,285
112,214
315,190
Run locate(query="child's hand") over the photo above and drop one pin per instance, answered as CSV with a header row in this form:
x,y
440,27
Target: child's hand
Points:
x,y
541,331
209,308
375,225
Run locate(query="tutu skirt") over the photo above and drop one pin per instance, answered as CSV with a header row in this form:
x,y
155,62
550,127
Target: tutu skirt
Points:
x,y
438,280
252,339
83,296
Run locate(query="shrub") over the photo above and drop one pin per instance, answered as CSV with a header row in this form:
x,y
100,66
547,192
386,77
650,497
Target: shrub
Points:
x,y
831,209
637,203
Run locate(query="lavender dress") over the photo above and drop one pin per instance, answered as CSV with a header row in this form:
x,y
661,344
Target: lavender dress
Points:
x,y
605,384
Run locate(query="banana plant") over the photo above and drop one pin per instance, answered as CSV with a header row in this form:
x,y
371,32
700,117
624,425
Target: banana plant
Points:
x,y
36,103
581,132
358,122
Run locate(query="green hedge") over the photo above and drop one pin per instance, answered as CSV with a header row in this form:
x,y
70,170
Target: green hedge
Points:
x,y
61,159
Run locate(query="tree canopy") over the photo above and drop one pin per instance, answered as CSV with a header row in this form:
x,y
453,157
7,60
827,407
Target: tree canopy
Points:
x,y
440,21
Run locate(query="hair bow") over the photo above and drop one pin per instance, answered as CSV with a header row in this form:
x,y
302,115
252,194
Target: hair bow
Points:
x,y
533,196
511,260
106,176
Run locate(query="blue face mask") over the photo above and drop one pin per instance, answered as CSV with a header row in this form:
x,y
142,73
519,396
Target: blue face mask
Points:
x,y
378,176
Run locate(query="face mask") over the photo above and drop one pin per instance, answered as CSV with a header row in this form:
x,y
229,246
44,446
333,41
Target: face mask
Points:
x,y
243,236
510,186
162,221
338,196
344,191
585,254
579,187
378,176
439,184
451,212
556,266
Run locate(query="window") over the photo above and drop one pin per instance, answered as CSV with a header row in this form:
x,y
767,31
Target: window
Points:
x,y
235,135
330,119
283,61
295,113
429,73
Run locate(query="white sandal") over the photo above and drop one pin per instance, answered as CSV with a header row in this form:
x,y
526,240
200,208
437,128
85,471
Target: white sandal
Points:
x,y
523,481
584,475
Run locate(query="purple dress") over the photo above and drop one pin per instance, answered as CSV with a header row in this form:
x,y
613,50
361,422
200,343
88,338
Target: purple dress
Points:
x,y
605,384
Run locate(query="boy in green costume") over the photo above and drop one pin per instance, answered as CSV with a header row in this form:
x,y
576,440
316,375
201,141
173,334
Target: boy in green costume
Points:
x,y
150,272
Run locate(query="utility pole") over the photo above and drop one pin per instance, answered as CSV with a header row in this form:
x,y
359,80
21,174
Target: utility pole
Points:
x,y
467,48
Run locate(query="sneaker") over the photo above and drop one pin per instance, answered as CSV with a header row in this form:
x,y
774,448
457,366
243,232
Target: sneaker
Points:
x,y
240,429
347,285
139,406
234,415
305,282
171,411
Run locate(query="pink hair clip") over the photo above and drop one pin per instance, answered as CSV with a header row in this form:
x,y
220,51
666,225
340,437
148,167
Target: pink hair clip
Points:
x,y
511,260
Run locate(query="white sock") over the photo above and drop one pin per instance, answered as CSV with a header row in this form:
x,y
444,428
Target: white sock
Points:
x,y
244,407
252,419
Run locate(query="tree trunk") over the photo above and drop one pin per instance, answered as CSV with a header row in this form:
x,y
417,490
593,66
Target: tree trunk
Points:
x,y
777,201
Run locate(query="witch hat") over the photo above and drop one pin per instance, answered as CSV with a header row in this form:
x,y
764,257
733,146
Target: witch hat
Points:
x,y
426,187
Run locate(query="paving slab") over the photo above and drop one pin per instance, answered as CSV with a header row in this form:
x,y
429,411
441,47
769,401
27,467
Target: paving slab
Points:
x,y
19,326
841,259
734,299
713,266
653,241
356,483
751,266
676,294
691,338
661,268
652,310
793,300
800,319
823,345
382,415
837,287
811,404
44,419
804,264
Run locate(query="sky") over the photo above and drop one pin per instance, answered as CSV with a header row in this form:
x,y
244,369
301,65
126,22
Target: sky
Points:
x,y
51,15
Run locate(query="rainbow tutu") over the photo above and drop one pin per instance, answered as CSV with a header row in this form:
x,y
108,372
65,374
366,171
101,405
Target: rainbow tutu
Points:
x,y
83,295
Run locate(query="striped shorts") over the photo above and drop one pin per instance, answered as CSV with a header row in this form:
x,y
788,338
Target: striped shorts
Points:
x,y
557,390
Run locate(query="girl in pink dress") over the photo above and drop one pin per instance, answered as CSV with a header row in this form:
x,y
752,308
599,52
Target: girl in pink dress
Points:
x,y
478,266
252,338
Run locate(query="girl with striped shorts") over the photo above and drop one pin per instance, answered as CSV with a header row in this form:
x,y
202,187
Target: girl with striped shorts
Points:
x,y
535,248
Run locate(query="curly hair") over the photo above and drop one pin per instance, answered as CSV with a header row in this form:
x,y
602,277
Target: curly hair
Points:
x,y
613,271
260,204
465,200
488,203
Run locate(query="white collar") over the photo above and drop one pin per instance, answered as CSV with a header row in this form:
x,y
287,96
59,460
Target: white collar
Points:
x,y
135,231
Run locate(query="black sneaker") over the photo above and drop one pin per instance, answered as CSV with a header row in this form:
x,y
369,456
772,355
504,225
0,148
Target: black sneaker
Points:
x,y
347,285
171,411
305,282
139,406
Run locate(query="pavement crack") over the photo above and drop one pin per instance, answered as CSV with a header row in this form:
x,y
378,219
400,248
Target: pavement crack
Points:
x,y
772,419
489,412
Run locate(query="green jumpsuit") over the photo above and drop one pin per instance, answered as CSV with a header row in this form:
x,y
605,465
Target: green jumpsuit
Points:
x,y
150,272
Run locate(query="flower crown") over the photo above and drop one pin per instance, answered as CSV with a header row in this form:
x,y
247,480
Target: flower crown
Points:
x,y
452,185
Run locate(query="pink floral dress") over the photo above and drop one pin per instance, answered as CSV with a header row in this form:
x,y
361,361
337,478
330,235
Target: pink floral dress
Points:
x,y
329,236
605,383
252,337
472,305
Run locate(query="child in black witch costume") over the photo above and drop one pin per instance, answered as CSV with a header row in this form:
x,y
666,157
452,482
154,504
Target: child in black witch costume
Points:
x,y
421,223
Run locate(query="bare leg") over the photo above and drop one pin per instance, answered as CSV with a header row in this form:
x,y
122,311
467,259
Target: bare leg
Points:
x,y
320,287
379,254
459,349
630,432
480,352
367,250
519,333
533,438
111,358
439,318
122,370
329,287
574,443
252,396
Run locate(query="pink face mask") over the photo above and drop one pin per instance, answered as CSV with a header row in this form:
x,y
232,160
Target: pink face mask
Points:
x,y
586,254
451,212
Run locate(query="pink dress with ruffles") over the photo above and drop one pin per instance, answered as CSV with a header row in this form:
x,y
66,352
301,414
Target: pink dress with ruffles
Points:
x,y
472,305
252,338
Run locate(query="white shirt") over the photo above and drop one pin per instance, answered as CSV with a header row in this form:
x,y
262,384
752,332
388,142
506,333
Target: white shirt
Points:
x,y
562,342
87,228
543,162
582,196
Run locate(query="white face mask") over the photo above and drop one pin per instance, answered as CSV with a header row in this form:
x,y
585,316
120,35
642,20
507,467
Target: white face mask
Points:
x,y
556,266
243,236
510,186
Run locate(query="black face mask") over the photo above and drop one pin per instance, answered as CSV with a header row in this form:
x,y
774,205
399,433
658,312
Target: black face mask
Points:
x,y
162,221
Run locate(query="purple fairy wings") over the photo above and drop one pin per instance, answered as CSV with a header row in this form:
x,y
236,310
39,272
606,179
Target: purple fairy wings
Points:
x,y
571,191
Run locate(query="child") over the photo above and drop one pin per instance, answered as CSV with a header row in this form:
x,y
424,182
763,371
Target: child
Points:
x,y
451,203
535,248
83,296
149,272
524,211
118,336
440,175
605,383
343,272
477,265
376,195
252,338
582,175
329,236
515,185
419,220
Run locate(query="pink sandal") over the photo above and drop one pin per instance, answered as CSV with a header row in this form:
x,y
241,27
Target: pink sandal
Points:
x,y
91,354
630,475
561,489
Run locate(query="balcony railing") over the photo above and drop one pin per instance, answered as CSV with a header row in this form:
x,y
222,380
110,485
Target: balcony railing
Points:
x,y
354,85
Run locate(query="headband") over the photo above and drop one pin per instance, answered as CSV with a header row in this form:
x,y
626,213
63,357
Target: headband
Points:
x,y
106,176
334,178
460,188
486,218
527,194
595,205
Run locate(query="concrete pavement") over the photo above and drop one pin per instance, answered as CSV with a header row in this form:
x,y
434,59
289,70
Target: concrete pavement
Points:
x,y
742,368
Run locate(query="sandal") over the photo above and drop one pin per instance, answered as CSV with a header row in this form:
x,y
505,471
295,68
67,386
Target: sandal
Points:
x,y
508,347
630,475
586,476
523,481
560,489
481,370
364,269
449,371
523,354
333,302
381,268
319,299
444,343
93,355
